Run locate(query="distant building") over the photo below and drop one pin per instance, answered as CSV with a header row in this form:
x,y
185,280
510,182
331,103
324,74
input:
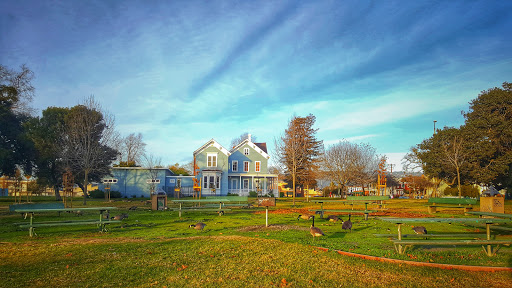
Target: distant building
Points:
x,y
221,171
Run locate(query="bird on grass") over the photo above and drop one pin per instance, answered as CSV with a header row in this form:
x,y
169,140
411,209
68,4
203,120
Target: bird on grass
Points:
x,y
333,218
419,229
315,231
119,217
198,226
305,217
133,208
347,225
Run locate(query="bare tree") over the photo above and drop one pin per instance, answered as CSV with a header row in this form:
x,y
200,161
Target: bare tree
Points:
x,y
338,162
456,154
132,149
348,163
21,82
241,139
298,149
153,164
89,140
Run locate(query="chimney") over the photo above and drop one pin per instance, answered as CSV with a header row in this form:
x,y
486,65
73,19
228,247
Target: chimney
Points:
x,y
249,137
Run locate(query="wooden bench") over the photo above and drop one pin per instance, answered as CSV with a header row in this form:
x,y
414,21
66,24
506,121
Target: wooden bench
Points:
x,y
101,223
461,203
400,244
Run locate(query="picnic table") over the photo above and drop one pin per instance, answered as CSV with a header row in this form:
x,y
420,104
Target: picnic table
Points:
x,y
461,203
400,244
181,209
352,200
101,223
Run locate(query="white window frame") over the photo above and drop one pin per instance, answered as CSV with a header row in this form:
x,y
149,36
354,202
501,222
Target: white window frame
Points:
x,y
153,181
246,165
205,181
246,151
234,165
257,168
210,163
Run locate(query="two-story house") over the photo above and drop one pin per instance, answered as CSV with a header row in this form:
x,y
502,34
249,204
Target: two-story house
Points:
x,y
240,170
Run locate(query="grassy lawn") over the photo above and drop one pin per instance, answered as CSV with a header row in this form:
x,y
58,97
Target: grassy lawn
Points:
x,y
158,249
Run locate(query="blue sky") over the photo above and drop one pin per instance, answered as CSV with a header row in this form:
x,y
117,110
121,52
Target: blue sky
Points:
x,y
183,72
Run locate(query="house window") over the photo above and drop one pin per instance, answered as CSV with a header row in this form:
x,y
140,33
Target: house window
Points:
x,y
257,166
212,160
212,183
234,166
246,151
246,166
205,182
218,182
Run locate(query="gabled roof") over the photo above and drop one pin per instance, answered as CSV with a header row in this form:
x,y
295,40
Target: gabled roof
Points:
x,y
263,146
259,147
215,144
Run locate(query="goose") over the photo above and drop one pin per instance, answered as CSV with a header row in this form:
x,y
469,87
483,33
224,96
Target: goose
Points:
x,y
333,218
305,217
419,229
119,217
315,231
347,225
198,226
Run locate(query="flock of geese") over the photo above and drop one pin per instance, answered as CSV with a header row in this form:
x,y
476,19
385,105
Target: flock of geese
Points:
x,y
317,232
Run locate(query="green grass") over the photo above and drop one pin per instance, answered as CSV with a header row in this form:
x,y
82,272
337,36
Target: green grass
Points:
x,y
158,249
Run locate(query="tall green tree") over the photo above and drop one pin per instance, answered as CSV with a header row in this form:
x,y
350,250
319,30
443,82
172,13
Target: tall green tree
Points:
x,y
298,150
16,149
446,155
47,134
489,120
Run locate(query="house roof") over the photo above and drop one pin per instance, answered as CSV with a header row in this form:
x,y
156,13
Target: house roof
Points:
x,y
263,146
259,147
215,144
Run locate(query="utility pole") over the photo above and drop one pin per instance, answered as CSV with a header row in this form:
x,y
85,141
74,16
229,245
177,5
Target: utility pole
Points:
x,y
434,127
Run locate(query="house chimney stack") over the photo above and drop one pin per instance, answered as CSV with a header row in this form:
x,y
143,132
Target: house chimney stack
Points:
x,y
249,137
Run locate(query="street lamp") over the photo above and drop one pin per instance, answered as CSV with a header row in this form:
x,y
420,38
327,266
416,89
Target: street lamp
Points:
x,y
435,126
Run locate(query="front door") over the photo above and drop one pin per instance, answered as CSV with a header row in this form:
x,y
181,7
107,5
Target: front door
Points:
x,y
246,185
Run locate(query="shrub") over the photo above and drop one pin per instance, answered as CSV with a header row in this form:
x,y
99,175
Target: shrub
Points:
x,y
253,194
96,194
466,191
115,194
134,196
281,194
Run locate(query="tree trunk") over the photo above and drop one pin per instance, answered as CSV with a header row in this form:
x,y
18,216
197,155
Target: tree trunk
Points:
x,y
294,191
57,193
458,182
84,189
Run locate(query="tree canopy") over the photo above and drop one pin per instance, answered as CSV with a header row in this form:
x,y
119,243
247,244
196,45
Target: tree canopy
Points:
x,y
298,150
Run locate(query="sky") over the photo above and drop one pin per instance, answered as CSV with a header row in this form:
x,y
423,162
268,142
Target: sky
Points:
x,y
184,72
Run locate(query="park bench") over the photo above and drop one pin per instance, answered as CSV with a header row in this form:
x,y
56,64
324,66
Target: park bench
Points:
x,y
101,223
458,239
455,203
